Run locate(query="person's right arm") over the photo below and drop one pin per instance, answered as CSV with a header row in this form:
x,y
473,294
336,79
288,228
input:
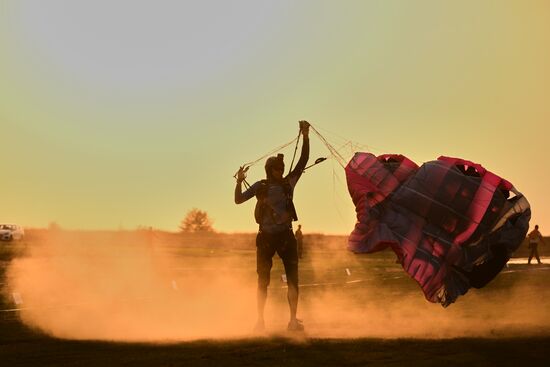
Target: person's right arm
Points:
x,y
240,196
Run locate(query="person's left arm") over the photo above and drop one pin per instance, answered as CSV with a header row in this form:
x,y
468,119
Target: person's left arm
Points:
x,y
304,155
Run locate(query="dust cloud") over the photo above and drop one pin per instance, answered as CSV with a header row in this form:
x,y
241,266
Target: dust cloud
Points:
x,y
124,288
128,291
393,306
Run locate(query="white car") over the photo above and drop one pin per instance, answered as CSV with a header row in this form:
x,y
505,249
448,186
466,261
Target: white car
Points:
x,y
10,232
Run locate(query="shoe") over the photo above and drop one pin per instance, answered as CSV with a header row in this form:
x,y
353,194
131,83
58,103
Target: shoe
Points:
x,y
295,325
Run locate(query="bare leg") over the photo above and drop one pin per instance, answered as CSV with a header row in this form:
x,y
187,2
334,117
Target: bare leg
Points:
x,y
263,267
290,261
292,296
261,298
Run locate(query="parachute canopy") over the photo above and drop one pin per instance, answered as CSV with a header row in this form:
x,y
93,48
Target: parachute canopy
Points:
x,y
452,223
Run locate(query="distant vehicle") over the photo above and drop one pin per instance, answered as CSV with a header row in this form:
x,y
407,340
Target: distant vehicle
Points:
x,y
10,232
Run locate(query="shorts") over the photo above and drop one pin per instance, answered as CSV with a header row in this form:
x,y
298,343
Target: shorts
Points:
x,y
282,243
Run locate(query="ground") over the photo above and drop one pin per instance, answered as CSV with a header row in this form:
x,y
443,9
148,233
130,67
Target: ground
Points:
x,y
357,310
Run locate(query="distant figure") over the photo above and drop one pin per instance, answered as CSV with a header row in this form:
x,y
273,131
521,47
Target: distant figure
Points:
x,y
299,240
534,238
274,213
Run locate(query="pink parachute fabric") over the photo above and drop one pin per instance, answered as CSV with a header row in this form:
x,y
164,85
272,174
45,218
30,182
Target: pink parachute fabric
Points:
x,y
452,223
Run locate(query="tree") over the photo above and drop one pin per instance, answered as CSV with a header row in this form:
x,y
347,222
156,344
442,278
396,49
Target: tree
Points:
x,y
54,226
196,221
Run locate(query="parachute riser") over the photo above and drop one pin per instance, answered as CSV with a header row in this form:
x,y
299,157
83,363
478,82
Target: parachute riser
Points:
x,y
317,161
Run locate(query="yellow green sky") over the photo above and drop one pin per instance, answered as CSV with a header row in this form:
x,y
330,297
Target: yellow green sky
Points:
x,y
124,113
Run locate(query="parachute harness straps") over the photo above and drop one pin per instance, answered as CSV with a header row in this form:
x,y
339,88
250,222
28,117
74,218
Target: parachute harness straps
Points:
x,y
262,205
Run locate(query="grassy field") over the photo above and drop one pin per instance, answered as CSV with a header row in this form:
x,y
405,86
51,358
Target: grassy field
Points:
x,y
358,310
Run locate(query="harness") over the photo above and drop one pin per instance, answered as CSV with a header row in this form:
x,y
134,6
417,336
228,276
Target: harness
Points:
x,y
262,205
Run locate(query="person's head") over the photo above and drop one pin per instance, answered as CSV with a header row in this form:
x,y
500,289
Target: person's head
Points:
x,y
275,167
536,226
299,226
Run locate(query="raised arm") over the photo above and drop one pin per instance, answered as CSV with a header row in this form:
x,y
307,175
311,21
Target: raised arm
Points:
x,y
304,155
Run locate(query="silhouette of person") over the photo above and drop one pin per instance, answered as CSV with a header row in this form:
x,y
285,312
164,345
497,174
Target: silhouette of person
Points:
x,y
274,213
299,241
534,238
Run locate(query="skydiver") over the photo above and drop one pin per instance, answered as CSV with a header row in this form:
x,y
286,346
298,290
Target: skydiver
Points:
x,y
534,238
274,213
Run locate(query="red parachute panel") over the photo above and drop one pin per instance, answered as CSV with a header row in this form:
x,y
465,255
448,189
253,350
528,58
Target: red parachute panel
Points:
x,y
452,223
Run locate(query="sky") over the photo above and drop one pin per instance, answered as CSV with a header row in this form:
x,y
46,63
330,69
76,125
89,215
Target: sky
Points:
x,y
119,114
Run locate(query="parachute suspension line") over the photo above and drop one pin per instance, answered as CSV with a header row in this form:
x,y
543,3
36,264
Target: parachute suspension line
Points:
x,y
333,151
348,144
247,165
295,149
335,196
356,146
271,152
